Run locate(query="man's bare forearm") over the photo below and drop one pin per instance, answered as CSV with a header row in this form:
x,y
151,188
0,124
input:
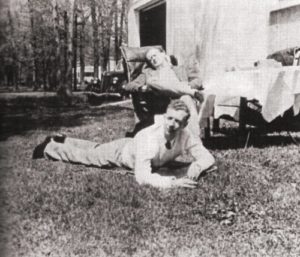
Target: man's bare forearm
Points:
x,y
135,85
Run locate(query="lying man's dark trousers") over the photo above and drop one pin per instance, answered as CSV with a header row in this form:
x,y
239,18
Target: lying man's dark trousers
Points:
x,y
146,105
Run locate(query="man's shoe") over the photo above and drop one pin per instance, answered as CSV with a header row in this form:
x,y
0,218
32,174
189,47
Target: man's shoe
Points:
x,y
38,152
129,134
59,138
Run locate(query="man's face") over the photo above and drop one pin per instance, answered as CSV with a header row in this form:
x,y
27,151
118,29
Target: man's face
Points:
x,y
155,57
175,120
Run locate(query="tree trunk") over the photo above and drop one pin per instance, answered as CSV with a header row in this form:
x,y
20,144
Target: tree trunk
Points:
x,y
33,43
81,55
75,38
67,36
95,39
57,58
106,37
70,46
121,24
116,35
14,65
101,27
66,87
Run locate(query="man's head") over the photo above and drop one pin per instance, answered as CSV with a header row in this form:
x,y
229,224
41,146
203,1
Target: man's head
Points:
x,y
155,57
176,118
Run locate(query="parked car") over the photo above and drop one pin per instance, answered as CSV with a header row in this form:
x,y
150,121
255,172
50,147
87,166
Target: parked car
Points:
x,y
93,85
111,82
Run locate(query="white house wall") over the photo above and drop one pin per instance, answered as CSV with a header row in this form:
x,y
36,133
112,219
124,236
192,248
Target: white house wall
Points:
x,y
219,34
180,28
284,25
230,34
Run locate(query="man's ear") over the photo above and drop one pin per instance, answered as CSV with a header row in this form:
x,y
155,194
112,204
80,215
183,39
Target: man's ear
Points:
x,y
164,116
185,122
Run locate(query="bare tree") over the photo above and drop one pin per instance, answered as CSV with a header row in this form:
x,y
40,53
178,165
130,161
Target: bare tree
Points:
x,y
95,38
38,39
105,20
56,67
75,39
119,27
13,51
82,24
116,33
66,87
122,20
33,42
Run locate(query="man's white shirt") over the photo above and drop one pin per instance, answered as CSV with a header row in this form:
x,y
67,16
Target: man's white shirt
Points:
x,y
148,150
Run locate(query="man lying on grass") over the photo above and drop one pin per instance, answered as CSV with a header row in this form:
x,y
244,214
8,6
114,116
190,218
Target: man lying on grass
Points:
x,y
152,148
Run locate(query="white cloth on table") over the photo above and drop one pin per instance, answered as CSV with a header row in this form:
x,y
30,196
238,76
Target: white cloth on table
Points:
x,y
277,89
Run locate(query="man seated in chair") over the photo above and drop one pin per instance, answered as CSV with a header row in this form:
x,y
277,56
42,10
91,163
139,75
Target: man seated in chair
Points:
x,y
160,81
152,148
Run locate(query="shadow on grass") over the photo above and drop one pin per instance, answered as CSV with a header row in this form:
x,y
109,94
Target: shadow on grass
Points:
x,y
53,118
259,141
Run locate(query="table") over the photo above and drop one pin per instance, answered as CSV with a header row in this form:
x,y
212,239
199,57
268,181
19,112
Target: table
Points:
x,y
276,89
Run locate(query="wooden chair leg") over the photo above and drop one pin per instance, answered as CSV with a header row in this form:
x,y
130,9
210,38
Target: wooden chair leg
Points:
x,y
207,129
216,125
242,121
242,116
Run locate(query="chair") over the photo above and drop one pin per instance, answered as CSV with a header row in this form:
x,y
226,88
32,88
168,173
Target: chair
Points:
x,y
285,56
146,105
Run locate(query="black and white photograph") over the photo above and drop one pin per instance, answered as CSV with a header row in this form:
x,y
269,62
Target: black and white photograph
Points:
x,y
150,128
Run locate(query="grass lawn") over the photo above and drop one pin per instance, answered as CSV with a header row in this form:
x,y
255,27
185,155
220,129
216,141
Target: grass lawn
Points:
x,y
249,207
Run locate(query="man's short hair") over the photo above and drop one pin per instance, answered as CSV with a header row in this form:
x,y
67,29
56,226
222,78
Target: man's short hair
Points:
x,y
173,60
179,105
151,50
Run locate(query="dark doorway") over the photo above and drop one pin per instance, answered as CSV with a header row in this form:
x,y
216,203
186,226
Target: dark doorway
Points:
x,y
153,26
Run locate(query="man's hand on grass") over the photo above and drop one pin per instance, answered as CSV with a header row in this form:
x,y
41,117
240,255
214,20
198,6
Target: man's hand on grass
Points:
x,y
184,182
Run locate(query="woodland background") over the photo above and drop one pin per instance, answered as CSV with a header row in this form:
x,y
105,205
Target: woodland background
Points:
x,y
41,41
